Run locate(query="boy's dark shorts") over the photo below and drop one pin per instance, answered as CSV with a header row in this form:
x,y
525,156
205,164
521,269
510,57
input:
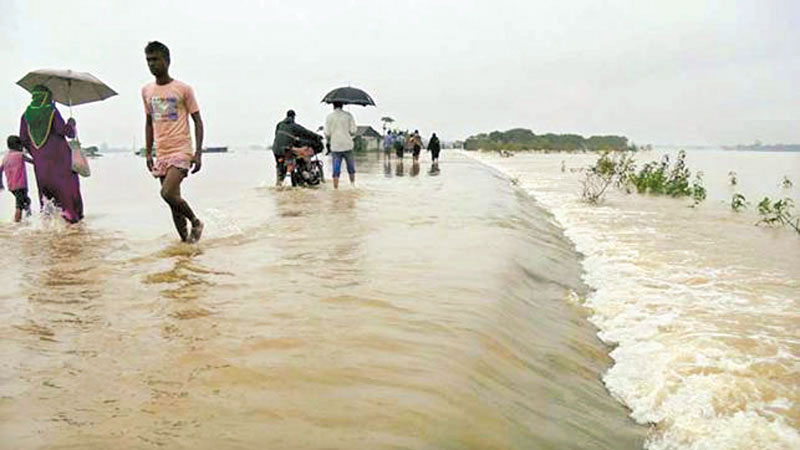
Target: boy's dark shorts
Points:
x,y
21,195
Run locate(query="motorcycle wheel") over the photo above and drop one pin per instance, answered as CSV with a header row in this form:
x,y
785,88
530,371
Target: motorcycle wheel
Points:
x,y
318,167
297,180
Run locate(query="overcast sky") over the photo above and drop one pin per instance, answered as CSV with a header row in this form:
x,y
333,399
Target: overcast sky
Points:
x,y
704,72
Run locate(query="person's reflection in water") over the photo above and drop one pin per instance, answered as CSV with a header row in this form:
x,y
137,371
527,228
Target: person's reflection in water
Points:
x,y
63,326
434,169
399,171
341,263
414,168
63,267
387,168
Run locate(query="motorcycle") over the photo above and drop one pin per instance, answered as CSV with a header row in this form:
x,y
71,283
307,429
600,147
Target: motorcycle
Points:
x,y
303,166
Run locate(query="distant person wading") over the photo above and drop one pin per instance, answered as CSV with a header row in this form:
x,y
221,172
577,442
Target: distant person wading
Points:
x,y
415,142
388,143
434,147
399,144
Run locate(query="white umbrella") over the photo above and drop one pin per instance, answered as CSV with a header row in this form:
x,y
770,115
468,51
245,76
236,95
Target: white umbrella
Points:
x,y
68,87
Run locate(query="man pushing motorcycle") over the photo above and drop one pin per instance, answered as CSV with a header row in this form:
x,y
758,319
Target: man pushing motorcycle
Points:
x,y
288,135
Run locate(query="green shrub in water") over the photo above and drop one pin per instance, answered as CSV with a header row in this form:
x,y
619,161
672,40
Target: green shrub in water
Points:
x,y
778,213
611,169
664,178
738,202
659,178
698,190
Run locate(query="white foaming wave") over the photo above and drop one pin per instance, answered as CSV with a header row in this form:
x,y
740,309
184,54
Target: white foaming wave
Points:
x,y
672,368
48,219
745,430
221,224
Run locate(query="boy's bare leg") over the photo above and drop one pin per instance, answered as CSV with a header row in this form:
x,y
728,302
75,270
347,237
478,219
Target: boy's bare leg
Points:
x,y
18,215
177,217
180,224
171,193
352,178
336,182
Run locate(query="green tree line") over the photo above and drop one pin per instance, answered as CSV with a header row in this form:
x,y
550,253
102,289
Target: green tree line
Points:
x,y
524,139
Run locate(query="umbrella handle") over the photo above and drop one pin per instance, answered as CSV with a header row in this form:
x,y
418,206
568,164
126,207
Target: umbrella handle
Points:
x,y
69,96
69,103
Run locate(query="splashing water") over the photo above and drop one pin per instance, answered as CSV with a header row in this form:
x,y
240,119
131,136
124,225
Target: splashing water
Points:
x,y
700,305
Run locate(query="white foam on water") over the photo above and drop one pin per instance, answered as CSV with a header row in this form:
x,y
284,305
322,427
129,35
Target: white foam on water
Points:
x,y
49,219
220,224
709,363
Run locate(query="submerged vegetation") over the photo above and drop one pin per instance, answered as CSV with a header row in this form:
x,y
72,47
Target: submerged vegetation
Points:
x,y
657,178
738,202
663,178
778,213
699,192
611,169
523,139
618,169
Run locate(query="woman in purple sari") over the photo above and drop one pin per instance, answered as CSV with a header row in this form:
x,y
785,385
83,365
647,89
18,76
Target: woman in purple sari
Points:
x,y
43,133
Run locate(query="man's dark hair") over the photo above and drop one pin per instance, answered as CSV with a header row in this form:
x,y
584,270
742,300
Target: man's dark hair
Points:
x,y
290,113
14,142
157,47
337,105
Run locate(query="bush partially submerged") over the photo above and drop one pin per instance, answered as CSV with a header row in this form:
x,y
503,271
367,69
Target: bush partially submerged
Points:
x,y
738,202
698,191
618,169
659,178
611,169
778,213
663,178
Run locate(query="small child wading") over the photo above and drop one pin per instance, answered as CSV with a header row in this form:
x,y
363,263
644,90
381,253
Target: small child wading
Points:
x,y
13,168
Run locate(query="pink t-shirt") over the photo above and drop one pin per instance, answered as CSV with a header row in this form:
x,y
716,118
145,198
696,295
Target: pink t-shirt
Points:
x,y
170,106
14,170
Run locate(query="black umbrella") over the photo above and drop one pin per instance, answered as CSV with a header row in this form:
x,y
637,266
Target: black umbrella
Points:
x,y
349,96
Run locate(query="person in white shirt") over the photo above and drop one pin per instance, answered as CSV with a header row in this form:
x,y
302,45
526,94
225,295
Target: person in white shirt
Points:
x,y
340,127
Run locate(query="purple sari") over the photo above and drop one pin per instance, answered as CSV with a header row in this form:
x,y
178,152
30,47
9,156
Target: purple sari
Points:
x,y
52,163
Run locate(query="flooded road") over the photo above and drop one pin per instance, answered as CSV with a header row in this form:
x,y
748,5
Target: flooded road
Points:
x,y
418,310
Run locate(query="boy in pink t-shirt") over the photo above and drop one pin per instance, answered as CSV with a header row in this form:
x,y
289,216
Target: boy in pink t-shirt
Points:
x,y
13,167
168,104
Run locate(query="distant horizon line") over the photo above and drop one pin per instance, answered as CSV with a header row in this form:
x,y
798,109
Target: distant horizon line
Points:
x,y
757,144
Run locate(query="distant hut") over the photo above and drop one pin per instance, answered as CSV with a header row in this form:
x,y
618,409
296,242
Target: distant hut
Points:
x,y
370,137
